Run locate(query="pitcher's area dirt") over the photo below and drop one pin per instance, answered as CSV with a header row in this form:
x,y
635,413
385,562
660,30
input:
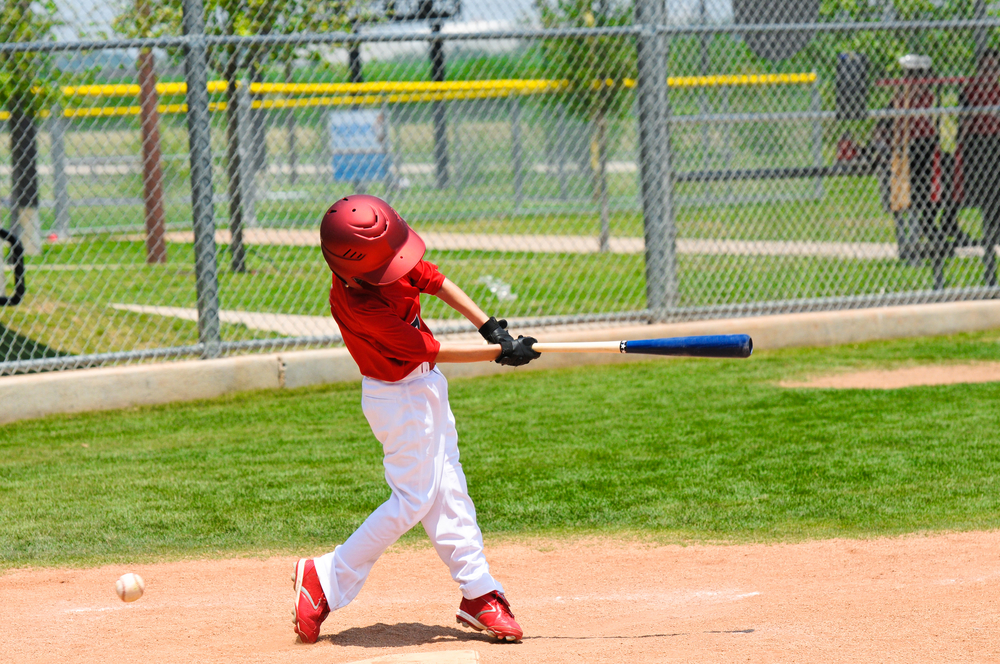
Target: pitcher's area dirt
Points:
x,y
891,379
910,599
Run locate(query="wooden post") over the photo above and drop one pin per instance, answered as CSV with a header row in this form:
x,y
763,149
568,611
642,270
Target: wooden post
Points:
x,y
152,168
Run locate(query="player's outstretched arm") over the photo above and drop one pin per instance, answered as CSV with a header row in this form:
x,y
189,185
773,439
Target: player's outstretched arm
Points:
x,y
456,298
514,353
503,348
456,352
494,331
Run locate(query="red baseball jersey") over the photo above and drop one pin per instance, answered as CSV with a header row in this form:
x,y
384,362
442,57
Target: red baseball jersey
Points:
x,y
381,325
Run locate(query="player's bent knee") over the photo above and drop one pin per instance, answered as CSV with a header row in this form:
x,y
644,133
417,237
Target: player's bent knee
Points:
x,y
412,508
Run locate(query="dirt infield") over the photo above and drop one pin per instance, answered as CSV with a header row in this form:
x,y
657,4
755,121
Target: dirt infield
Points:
x,y
891,379
909,599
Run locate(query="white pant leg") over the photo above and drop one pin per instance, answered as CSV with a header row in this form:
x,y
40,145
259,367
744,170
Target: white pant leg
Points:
x,y
412,420
451,522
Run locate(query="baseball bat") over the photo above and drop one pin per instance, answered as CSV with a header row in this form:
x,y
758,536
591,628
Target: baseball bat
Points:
x,y
713,345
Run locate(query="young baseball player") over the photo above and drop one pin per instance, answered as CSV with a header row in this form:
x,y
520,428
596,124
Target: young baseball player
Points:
x,y
378,276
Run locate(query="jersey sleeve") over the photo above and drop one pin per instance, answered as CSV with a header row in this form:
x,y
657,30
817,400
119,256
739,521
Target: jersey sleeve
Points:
x,y
426,277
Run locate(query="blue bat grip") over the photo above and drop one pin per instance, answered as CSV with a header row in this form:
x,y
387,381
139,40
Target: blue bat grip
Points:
x,y
715,345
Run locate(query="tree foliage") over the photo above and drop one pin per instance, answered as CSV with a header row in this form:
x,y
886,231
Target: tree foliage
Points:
x,y
596,68
27,78
237,18
951,50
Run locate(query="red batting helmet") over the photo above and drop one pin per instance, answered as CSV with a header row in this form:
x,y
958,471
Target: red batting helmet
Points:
x,y
364,238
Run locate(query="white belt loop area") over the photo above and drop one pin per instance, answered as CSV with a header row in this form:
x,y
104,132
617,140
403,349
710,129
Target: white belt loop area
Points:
x,y
425,367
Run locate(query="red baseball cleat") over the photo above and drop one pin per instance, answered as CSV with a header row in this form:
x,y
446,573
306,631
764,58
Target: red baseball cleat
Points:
x,y
311,608
490,613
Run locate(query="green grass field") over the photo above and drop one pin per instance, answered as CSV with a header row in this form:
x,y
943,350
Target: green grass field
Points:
x,y
672,450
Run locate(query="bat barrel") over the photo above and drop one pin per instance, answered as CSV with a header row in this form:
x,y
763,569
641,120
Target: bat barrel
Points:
x,y
715,345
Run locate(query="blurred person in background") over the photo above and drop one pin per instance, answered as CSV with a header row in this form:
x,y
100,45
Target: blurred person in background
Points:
x,y
914,149
977,167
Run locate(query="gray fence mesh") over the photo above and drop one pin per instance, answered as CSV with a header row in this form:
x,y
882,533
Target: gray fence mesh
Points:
x,y
165,165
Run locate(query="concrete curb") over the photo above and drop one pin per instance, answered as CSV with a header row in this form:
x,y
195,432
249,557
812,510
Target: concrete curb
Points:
x,y
38,395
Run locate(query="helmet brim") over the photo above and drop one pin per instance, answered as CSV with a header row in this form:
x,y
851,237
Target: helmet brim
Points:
x,y
406,259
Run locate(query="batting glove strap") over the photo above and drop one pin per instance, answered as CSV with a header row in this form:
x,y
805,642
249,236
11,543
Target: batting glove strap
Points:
x,y
517,352
495,331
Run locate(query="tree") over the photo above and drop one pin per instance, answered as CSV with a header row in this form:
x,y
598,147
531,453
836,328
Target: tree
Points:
x,y
27,86
146,19
246,18
258,17
952,52
597,70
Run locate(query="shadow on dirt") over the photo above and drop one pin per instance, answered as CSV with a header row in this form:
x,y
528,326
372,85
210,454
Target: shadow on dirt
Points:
x,y
401,635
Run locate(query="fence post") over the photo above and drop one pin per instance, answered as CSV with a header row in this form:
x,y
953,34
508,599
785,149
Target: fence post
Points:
x,y
516,159
727,142
24,219
703,106
249,150
290,125
235,170
152,168
561,149
817,137
980,37
203,212
60,183
654,159
438,110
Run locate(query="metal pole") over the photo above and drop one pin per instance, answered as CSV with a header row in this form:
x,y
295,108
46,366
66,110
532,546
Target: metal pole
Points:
x,y
259,119
655,160
387,155
980,36
355,73
602,183
60,183
515,151
561,149
24,177
199,140
290,123
454,112
438,110
354,58
235,157
706,140
248,174
817,138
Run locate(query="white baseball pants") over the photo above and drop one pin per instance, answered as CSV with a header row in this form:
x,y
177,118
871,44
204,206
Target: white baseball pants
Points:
x,y
414,423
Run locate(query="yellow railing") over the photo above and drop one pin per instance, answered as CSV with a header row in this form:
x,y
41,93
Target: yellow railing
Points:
x,y
521,86
378,92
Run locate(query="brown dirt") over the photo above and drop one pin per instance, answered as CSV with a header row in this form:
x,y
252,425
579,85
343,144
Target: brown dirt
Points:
x,y
891,379
911,599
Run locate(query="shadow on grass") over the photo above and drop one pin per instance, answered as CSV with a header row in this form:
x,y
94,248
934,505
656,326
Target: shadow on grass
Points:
x,y
15,347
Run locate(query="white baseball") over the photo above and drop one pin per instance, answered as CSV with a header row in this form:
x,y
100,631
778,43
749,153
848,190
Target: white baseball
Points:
x,y
130,587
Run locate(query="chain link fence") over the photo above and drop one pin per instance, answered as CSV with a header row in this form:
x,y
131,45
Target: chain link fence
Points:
x,y
164,165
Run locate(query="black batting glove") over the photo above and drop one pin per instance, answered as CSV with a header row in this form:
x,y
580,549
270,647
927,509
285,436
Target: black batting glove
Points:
x,y
517,352
495,331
